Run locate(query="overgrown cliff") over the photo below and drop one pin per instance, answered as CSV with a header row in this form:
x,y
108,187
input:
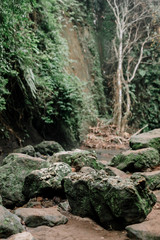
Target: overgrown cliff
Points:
x,y
51,82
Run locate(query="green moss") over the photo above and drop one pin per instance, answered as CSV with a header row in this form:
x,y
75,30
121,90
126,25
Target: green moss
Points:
x,y
137,161
140,143
12,176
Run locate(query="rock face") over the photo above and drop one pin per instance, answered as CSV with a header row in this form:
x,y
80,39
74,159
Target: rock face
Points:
x,y
111,201
9,223
29,150
22,236
46,181
48,147
148,139
12,175
137,160
152,179
37,217
77,159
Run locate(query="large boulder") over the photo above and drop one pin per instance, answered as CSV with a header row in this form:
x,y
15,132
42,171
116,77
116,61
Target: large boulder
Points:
x,y
148,139
9,223
34,217
136,160
111,201
46,181
48,147
12,175
29,150
77,158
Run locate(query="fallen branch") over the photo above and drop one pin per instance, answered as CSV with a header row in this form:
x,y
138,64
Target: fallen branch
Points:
x,y
140,130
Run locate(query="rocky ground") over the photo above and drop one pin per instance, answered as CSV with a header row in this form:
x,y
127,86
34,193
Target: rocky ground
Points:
x,y
78,228
45,218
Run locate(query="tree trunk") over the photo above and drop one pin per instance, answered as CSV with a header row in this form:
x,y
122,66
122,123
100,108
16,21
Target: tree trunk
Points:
x,y
128,108
118,103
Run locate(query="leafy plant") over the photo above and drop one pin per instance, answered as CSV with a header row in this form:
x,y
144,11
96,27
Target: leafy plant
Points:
x,y
147,89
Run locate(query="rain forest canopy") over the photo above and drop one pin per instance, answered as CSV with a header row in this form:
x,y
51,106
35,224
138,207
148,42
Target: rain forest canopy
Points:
x,y
62,63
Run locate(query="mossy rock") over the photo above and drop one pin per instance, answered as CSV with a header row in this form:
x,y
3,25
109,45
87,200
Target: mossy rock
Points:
x,y
48,147
112,201
46,181
9,223
29,150
145,140
77,159
152,179
12,175
136,160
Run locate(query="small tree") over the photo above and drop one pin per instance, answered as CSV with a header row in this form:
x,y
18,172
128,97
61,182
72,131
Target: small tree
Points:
x,y
133,30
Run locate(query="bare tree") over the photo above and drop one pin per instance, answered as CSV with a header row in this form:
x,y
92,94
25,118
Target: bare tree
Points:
x,y
133,20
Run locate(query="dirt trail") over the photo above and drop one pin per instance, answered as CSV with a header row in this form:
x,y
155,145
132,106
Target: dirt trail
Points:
x,y
77,229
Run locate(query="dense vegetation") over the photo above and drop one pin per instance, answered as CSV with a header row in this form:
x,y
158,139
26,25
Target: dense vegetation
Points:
x,y
144,89
37,91
35,87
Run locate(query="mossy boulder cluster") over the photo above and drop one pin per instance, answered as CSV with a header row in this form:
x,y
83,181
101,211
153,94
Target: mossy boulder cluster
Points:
x,y
109,196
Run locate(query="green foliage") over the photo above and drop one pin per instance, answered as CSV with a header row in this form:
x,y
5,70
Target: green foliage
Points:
x,y
61,99
17,42
97,88
34,56
146,87
3,92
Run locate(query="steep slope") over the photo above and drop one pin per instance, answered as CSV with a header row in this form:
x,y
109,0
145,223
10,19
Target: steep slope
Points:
x,y
52,86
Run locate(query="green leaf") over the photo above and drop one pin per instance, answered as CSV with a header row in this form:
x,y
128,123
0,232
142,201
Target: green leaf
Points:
x,y
142,72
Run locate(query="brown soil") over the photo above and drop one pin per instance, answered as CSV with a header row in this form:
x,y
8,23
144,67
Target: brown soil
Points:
x,y
77,229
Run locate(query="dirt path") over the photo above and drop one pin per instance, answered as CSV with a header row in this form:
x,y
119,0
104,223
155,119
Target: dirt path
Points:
x,y
77,229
